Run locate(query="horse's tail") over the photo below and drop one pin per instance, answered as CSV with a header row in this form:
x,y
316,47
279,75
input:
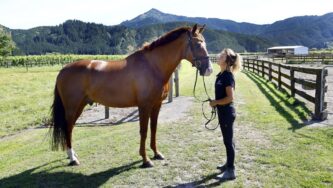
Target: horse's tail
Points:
x,y
58,122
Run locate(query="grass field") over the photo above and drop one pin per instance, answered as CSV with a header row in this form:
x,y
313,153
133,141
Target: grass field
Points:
x,y
273,147
25,97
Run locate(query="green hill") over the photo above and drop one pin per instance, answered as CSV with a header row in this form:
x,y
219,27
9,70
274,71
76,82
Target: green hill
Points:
x,y
78,37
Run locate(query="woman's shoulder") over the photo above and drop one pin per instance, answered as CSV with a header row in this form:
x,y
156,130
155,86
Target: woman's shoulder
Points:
x,y
229,74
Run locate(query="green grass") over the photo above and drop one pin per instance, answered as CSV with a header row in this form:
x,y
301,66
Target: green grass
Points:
x,y
25,97
273,148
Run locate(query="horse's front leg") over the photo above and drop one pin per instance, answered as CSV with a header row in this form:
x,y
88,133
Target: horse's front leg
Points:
x,y
144,114
153,129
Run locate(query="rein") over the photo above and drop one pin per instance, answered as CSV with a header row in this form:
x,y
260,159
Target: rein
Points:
x,y
213,111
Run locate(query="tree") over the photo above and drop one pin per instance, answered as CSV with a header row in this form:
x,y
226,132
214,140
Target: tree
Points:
x,y
6,44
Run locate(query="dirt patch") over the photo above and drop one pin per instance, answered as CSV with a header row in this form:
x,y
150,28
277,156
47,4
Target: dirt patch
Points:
x,y
170,112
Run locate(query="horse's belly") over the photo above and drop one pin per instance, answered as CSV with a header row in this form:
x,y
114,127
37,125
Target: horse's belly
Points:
x,y
114,98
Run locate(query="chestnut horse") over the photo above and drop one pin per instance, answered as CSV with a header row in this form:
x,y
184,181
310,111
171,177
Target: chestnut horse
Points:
x,y
141,79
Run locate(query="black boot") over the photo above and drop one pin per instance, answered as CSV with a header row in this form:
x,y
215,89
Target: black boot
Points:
x,y
222,167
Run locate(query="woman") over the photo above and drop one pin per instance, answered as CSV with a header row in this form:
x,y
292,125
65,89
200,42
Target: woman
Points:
x,y
230,63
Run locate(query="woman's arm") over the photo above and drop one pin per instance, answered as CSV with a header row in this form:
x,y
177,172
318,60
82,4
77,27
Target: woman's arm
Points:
x,y
226,100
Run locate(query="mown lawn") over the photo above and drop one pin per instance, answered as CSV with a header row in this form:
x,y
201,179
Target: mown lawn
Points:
x,y
274,148
25,97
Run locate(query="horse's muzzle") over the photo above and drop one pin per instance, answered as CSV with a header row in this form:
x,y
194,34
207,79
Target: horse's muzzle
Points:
x,y
209,70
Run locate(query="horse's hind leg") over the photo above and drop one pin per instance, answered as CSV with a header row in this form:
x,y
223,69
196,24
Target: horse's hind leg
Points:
x,y
72,114
153,129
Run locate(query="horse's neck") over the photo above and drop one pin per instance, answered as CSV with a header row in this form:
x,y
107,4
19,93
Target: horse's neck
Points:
x,y
166,58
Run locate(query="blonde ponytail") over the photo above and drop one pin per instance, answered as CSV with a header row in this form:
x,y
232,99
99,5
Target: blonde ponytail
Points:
x,y
238,64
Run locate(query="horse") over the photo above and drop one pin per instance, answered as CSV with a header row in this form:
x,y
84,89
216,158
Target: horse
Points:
x,y
141,79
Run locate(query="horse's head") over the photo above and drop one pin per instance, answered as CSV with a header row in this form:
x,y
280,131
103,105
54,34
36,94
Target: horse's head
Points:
x,y
199,54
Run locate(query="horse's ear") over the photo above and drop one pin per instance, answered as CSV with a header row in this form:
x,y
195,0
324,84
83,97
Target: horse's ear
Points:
x,y
202,28
194,29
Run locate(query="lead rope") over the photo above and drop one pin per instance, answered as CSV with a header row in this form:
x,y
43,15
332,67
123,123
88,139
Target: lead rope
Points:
x,y
213,111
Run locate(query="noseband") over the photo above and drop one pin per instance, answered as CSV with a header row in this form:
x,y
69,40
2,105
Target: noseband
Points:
x,y
196,59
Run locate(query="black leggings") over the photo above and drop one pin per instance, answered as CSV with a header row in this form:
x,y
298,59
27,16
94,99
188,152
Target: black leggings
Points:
x,y
227,117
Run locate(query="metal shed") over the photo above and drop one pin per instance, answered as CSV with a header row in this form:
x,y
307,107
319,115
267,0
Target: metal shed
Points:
x,y
288,50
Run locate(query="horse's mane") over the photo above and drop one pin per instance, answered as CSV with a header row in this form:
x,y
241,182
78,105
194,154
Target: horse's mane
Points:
x,y
166,38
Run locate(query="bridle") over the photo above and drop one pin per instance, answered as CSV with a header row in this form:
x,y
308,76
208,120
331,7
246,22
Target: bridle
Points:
x,y
196,59
197,63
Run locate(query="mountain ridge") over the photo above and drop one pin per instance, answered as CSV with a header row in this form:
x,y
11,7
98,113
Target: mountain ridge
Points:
x,y
75,36
310,30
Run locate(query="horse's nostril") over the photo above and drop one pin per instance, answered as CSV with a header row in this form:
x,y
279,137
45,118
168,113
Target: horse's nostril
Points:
x,y
209,71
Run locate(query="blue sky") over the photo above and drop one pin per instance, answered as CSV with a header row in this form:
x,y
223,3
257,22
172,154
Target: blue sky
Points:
x,y
24,14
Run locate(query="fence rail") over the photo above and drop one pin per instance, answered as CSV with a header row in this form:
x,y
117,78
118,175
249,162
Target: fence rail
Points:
x,y
286,77
324,59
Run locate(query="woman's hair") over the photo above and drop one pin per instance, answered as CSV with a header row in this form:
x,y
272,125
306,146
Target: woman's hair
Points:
x,y
233,60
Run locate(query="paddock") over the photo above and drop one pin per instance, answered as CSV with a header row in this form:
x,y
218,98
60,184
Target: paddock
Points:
x,y
273,145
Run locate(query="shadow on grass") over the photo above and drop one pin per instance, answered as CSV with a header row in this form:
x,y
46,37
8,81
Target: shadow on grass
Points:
x,y
282,104
200,183
131,117
30,178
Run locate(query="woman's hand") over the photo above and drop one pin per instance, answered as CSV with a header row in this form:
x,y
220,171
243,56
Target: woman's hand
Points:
x,y
212,103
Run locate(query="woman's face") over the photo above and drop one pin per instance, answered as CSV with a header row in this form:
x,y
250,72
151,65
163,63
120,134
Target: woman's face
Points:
x,y
222,60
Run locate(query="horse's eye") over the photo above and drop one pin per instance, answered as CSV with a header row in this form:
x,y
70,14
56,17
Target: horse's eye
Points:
x,y
197,45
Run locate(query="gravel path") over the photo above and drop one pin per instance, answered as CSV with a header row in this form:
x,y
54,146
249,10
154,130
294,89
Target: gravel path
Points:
x,y
170,112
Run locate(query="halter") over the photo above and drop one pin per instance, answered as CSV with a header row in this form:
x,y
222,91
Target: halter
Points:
x,y
197,64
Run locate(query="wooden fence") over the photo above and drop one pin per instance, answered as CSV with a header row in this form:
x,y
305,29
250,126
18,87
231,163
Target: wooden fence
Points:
x,y
285,77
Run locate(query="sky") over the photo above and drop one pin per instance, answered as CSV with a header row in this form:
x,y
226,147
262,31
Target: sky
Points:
x,y
25,14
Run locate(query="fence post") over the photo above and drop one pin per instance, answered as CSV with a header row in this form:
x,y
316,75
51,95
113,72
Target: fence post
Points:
x,y
263,69
270,71
107,114
292,81
176,80
170,89
258,69
248,64
279,76
320,113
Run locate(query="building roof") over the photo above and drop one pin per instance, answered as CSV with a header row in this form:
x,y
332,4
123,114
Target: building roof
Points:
x,y
285,47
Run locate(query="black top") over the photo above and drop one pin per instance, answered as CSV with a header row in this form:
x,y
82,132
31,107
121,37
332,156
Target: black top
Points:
x,y
223,80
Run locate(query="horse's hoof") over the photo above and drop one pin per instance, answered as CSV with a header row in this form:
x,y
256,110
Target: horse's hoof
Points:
x,y
147,164
158,157
74,163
